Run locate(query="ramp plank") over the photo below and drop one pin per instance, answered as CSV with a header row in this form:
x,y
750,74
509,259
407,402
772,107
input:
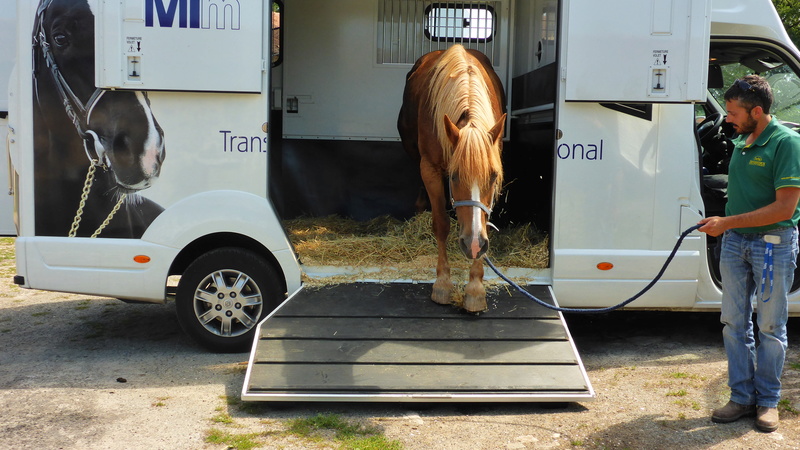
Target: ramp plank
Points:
x,y
409,300
366,340
392,378
415,352
411,328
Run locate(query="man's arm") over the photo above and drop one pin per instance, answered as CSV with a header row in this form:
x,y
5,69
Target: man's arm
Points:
x,y
781,209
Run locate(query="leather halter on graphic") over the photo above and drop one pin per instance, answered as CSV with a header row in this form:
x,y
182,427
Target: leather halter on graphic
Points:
x,y
78,112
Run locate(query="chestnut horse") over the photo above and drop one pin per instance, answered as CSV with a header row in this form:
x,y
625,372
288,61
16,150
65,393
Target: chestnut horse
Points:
x,y
452,122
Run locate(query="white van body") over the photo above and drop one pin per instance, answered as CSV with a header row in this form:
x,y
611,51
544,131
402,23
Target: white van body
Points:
x,y
8,36
601,138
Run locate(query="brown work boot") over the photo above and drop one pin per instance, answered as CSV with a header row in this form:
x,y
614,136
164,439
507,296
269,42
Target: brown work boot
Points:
x,y
766,419
732,412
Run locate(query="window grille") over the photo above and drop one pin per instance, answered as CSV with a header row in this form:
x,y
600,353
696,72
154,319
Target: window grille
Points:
x,y
407,29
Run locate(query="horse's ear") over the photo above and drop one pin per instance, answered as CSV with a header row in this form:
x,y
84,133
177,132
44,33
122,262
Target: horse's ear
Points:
x,y
452,130
497,130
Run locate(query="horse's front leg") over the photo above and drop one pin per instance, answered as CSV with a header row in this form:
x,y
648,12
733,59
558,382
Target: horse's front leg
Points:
x,y
443,287
474,293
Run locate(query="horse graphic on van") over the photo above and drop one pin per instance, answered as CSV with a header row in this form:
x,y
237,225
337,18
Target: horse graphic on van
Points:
x,y
94,149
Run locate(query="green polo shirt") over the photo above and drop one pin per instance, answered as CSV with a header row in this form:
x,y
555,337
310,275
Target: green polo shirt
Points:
x,y
758,170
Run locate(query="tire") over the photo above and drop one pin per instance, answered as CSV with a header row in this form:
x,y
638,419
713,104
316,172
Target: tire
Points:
x,y
209,302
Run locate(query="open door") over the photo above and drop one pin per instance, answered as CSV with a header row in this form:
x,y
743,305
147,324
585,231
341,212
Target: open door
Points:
x,y
625,150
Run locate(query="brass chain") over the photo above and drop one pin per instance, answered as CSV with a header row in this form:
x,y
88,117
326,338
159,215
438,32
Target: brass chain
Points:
x,y
87,186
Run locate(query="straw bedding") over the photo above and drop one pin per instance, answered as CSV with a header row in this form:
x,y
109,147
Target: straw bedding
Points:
x,y
395,249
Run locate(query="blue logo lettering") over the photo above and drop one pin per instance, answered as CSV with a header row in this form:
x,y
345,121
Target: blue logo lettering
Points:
x,y
588,152
219,14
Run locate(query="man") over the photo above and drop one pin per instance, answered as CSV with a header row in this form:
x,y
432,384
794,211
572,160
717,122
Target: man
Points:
x,y
760,224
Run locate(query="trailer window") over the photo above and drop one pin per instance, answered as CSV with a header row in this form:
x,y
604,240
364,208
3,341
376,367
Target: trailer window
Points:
x,y
453,22
407,29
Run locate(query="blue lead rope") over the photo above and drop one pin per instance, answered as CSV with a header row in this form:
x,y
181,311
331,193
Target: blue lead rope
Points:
x,y
610,308
767,271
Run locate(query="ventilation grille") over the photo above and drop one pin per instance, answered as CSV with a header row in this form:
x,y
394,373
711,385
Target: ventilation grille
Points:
x,y
407,29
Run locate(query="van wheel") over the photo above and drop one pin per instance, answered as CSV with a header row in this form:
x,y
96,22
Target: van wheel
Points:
x,y
223,295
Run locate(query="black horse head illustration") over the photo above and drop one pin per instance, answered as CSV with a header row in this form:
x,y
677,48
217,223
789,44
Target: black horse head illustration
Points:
x,y
80,129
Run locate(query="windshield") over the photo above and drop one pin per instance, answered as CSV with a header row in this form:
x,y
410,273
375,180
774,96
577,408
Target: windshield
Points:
x,y
737,61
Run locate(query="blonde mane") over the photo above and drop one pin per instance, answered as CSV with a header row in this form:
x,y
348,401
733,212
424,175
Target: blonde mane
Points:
x,y
459,90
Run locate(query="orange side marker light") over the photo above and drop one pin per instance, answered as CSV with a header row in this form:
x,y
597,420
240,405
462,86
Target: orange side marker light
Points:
x,y
141,259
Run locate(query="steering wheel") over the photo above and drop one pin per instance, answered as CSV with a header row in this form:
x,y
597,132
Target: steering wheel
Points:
x,y
709,127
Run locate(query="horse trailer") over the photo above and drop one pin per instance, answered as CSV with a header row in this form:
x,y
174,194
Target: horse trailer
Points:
x,y
160,140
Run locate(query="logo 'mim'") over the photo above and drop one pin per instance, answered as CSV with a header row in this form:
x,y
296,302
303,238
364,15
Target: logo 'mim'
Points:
x,y
218,14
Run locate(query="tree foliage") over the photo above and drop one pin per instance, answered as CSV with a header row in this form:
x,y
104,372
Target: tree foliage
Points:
x,y
789,12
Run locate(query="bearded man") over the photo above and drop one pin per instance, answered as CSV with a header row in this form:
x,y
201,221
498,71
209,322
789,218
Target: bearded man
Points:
x,y
760,226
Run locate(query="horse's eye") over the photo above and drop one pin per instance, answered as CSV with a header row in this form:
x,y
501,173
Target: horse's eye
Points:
x,y
61,39
454,177
493,178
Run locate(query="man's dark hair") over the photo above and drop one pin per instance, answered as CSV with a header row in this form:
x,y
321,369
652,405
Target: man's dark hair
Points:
x,y
751,91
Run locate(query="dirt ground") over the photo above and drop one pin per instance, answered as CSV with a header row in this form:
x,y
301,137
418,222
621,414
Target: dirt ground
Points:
x,y
80,372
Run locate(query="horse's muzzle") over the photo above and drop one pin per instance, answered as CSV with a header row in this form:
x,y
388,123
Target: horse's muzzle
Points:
x,y
473,247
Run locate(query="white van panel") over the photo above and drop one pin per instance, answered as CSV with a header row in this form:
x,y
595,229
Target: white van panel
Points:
x,y
8,38
607,175
606,58
73,265
106,266
183,46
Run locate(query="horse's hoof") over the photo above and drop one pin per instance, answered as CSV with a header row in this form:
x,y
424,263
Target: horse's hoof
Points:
x,y
473,303
441,296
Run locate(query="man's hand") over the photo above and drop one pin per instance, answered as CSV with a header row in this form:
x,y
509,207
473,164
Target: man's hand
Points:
x,y
713,226
781,209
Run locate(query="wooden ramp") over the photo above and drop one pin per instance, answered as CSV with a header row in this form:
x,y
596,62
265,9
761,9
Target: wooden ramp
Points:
x,y
390,342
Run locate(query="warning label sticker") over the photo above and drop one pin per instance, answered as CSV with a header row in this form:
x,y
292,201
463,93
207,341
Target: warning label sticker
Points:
x,y
133,44
660,57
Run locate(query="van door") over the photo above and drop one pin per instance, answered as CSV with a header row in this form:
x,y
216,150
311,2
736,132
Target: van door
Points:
x,y
733,59
7,53
626,175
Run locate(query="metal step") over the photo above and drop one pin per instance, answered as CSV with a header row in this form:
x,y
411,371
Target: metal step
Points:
x,y
390,342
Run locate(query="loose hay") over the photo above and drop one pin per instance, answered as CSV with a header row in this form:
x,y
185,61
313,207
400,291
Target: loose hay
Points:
x,y
396,249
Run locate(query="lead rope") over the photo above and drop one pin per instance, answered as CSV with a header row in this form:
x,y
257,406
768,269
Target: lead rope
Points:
x,y
598,310
87,186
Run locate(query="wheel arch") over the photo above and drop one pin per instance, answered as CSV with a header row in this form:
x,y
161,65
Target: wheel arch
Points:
x,y
207,243
211,220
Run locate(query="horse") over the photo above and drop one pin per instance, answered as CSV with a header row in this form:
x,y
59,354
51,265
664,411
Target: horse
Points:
x,y
94,149
451,122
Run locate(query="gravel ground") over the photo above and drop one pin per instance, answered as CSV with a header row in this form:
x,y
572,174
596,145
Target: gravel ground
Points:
x,y
79,372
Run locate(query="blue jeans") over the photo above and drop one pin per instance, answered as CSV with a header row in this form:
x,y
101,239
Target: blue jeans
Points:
x,y
754,371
